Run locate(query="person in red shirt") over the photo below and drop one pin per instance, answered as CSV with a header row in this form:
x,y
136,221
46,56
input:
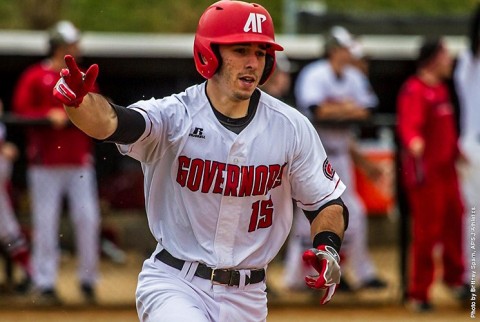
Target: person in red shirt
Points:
x,y
429,151
60,164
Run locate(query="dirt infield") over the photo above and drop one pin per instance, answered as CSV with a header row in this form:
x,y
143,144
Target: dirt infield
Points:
x,y
116,293
276,314
364,314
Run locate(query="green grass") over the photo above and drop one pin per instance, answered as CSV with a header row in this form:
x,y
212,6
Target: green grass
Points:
x,y
182,15
425,7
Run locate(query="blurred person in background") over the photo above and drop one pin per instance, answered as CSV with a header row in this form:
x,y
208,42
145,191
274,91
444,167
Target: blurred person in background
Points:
x,y
362,62
429,151
467,85
60,164
12,238
331,89
359,59
280,82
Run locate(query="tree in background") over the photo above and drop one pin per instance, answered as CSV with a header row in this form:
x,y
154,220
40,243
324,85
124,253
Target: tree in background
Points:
x,y
40,14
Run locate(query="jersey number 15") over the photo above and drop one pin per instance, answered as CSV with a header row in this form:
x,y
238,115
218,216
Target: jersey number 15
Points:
x,y
262,215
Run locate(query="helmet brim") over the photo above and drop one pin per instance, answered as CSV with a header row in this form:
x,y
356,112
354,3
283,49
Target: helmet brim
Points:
x,y
246,38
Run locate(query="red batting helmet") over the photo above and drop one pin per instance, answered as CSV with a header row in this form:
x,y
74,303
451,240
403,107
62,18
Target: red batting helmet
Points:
x,y
232,22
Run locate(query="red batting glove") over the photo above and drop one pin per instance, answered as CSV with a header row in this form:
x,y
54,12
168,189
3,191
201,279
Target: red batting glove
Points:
x,y
325,260
73,85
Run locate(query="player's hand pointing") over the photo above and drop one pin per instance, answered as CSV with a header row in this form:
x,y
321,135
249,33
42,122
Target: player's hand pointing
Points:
x,y
325,260
73,85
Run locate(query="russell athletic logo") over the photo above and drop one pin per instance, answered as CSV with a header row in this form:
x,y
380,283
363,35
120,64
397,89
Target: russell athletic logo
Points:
x,y
197,133
328,170
254,22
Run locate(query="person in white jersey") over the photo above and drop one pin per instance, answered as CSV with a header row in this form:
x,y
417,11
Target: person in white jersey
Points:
x,y
467,84
222,162
331,89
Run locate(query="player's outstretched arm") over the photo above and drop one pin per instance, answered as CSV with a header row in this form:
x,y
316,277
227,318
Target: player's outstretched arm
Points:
x,y
330,218
95,116
90,112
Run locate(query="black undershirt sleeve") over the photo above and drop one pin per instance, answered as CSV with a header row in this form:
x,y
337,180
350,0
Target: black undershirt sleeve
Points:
x,y
131,126
311,215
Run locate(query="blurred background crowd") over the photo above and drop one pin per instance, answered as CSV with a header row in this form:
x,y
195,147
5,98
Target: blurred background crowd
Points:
x,y
396,106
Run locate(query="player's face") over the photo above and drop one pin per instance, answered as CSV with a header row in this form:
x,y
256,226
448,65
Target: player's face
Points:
x,y
241,70
341,56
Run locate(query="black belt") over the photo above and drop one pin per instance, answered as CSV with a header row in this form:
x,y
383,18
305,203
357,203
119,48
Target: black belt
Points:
x,y
217,276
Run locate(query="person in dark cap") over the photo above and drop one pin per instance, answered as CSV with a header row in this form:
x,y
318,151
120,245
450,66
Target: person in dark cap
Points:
x,y
429,151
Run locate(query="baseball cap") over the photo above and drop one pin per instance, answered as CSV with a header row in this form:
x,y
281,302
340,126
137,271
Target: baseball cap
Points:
x,y
338,36
64,32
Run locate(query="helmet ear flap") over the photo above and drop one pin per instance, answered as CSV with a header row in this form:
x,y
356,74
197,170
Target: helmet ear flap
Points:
x,y
216,52
269,67
205,59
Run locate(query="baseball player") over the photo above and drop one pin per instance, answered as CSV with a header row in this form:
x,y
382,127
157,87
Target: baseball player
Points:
x,y
467,82
60,164
222,162
332,90
12,238
425,118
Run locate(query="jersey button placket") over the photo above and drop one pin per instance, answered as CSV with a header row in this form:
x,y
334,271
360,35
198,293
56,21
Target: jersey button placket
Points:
x,y
228,220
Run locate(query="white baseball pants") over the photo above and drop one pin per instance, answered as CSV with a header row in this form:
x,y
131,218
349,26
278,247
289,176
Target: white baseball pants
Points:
x,y
167,294
47,187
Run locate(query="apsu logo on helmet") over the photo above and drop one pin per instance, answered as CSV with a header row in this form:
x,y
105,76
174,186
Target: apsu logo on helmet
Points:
x,y
328,170
254,22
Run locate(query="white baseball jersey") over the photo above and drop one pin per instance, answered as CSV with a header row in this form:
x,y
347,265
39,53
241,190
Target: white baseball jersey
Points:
x,y
225,199
317,83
